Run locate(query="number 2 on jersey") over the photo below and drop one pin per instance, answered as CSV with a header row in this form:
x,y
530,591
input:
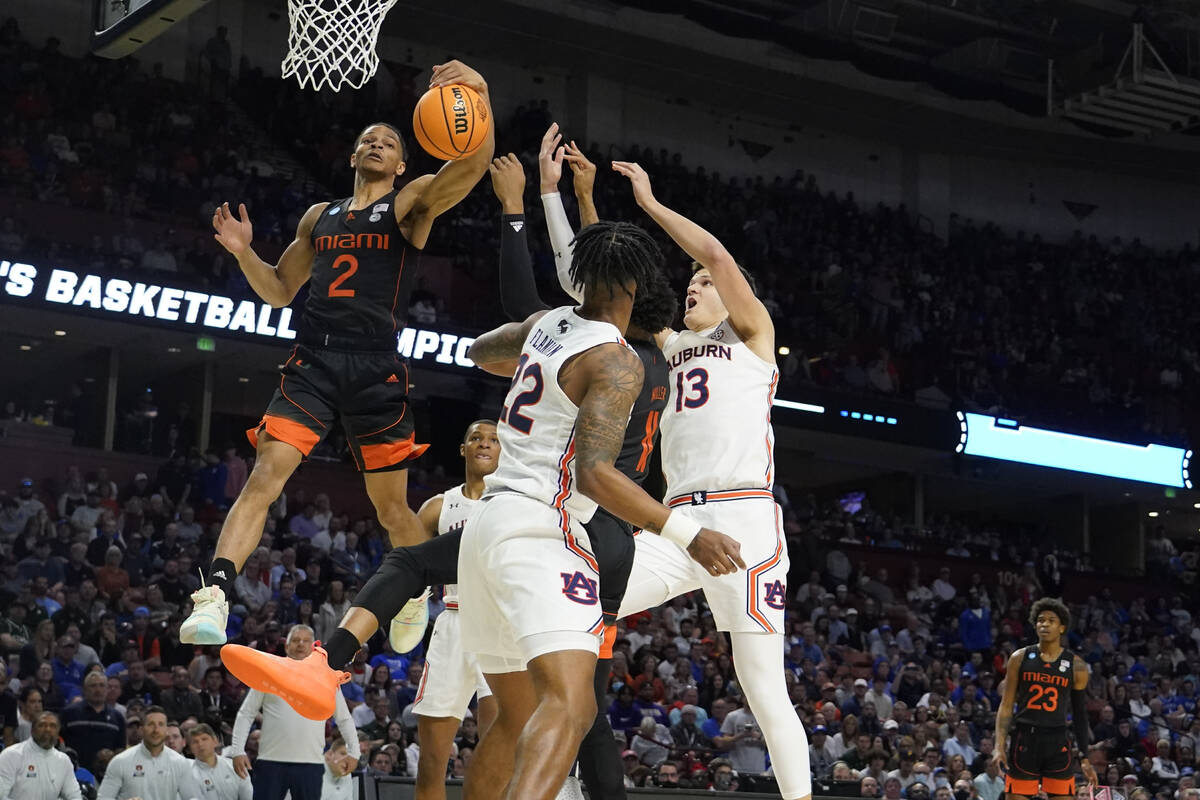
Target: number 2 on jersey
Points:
x,y
526,370
352,262
1042,698
698,380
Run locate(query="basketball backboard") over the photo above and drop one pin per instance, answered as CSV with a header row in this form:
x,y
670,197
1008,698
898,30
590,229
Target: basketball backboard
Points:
x,y
122,26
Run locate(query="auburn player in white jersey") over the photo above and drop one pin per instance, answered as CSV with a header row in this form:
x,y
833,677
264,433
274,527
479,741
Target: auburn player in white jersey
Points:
x,y
451,674
528,580
717,449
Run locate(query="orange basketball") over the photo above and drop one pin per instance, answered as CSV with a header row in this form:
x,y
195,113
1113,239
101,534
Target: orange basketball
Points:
x,y
451,122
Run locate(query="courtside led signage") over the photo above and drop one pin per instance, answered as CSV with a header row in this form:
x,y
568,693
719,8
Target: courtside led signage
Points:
x,y
1007,439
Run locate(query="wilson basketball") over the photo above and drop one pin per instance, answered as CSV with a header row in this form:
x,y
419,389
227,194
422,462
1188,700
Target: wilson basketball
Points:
x,y
451,122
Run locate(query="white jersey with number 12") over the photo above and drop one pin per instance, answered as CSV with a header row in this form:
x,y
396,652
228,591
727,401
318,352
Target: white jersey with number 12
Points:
x,y
537,423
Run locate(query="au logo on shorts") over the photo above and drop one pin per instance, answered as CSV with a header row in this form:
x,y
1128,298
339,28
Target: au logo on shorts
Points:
x,y
579,588
775,595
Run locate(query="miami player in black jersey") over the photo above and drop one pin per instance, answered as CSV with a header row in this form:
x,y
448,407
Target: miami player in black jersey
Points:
x,y
359,257
406,571
1032,717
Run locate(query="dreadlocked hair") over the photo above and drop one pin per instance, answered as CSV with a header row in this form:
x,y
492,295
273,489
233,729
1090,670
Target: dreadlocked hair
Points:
x,y
1054,606
612,254
655,304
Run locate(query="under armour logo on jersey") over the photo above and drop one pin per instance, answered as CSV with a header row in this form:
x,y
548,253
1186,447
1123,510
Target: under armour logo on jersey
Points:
x,y
563,325
718,334
517,225
392,379
579,588
775,595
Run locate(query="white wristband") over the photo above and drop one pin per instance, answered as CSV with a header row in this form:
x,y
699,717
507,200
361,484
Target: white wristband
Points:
x,y
680,529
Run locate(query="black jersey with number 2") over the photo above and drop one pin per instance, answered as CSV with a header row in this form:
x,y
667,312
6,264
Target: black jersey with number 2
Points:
x,y
362,273
1044,689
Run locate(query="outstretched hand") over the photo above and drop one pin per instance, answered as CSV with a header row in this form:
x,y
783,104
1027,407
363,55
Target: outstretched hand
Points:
x,y
717,553
583,171
638,178
508,182
550,158
232,232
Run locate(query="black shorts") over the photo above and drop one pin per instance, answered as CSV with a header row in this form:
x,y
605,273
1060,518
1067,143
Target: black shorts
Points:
x,y
612,543
1040,754
366,391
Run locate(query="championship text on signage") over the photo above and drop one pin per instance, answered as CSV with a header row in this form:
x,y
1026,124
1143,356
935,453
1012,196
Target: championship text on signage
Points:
x,y
67,290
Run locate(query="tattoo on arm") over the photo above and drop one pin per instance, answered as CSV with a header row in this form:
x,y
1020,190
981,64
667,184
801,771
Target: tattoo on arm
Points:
x,y
604,412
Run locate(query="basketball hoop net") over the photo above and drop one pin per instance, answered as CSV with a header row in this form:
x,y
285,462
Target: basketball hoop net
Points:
x,y
332,42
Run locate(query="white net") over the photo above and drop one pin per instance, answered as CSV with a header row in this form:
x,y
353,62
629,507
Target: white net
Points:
x,y
331,43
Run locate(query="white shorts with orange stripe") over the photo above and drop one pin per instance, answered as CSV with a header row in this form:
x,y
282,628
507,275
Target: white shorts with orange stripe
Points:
x,y
526,587
451,674
748,601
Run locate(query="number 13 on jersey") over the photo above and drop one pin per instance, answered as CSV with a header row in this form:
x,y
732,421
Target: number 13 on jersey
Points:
x,y
691,388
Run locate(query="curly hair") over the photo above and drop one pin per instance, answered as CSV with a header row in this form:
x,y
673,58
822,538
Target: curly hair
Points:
x,y
655,304
1055,606
612,254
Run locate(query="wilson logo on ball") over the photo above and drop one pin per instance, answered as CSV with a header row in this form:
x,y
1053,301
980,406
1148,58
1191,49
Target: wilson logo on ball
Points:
x,y
451,122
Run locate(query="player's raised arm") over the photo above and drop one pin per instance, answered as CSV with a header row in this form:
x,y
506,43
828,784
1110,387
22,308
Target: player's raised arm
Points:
x,y
613,375
442,191
278,284
747,314
550,161
518,290
498,350
583,177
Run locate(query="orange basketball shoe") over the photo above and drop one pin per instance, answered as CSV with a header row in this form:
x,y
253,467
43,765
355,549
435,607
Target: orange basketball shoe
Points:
x,y
308,685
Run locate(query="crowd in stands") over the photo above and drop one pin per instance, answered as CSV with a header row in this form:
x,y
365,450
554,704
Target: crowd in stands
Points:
x,y
896,677
866,298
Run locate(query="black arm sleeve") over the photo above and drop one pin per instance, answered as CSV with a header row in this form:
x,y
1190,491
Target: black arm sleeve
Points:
x,y
1079,719
518,291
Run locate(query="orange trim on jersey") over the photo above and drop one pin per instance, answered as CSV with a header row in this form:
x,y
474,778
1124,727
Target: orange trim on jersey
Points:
x,y
610,638
424,677
717,497
1059,786
1025,788
285,430
283,392
452,605
389,454
767,436
564,481
598,628
396,293
560,499
752,576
